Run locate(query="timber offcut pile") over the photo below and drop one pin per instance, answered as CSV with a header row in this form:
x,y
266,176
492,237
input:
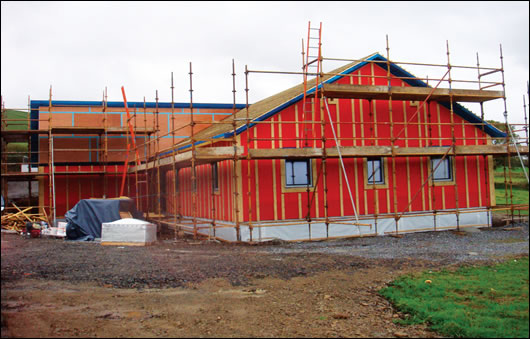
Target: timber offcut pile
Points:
x,y
17,221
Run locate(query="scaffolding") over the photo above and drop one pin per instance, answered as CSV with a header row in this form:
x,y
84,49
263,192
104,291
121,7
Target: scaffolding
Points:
x,y
211,142
41,162
484,147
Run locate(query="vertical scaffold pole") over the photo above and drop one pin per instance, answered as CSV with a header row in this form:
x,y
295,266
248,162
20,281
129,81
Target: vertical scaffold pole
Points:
x,y
51,161
324,167
525,120
157,154
392,140
433,186
29,154
105,144
193,162
147,150
249,143
453,138
374,187
484,139
4,152
137,163
508,132
174,169
236,158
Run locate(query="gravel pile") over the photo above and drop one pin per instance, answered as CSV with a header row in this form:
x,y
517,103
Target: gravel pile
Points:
x,y
475,244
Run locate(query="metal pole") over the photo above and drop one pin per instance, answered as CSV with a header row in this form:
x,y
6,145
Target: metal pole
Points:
x,y
453,139
105,144
51,162
484,142
508,131
175,173
235,160
158,210
147,147
193,160
392,140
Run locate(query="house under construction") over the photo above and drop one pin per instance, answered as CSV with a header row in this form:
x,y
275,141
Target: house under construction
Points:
x,y
366,149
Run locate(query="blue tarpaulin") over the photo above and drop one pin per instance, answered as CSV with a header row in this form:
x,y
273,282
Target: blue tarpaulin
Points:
x,y
84,220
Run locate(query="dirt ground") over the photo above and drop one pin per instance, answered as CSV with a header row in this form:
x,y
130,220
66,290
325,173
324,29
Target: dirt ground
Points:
x,y
54,288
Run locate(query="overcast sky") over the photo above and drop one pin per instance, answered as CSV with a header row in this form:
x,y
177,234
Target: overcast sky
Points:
x,y
80,48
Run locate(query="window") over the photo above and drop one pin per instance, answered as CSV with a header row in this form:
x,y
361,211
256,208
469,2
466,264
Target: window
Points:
x,y
215,177
297,173
375,172
442,169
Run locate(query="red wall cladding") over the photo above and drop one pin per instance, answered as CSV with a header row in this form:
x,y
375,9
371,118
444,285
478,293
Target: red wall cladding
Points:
x,y
357,123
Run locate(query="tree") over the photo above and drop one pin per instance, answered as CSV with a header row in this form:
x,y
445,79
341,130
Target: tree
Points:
x,y
514,160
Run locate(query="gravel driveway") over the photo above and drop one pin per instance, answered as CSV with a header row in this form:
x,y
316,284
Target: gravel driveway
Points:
x,y
171,263
473,244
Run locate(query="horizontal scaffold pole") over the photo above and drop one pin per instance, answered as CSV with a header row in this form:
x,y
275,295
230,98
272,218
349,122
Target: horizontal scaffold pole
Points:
x,y
380,151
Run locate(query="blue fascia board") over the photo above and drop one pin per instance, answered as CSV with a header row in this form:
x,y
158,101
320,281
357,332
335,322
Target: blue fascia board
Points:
x,y
133,104
35,104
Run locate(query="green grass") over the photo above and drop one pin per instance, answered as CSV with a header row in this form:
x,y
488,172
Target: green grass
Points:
x,y
20,147
518,177
16,159
478,302
520,196
519,187
11,114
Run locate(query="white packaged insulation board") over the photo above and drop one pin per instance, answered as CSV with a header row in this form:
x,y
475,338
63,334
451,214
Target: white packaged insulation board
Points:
x,y
128,231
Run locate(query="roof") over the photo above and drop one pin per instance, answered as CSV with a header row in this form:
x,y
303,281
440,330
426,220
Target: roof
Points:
x,y
270,106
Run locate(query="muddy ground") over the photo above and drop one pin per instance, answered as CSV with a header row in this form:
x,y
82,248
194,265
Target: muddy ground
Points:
x,y
56,288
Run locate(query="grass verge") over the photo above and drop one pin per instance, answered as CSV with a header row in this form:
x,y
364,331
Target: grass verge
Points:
x,y
479,302
519,188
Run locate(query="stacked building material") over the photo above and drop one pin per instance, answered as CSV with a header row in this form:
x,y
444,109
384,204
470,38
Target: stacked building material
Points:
x,y
130,232
17,221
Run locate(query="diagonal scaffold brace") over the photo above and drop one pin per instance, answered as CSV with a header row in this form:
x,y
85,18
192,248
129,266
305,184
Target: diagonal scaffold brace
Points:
x,y
133,141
